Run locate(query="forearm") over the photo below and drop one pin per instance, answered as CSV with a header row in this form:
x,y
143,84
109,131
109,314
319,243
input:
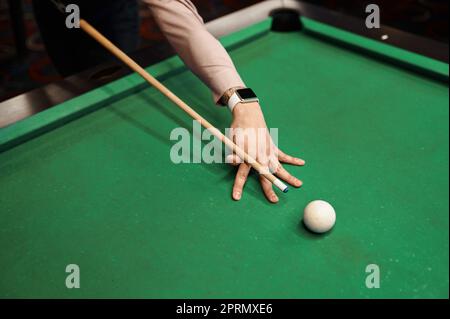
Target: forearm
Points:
x,y
200,51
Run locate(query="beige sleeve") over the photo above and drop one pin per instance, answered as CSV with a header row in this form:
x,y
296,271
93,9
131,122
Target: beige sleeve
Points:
x,y
201,52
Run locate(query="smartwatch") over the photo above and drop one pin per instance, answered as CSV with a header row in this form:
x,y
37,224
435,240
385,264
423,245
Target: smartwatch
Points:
x,y
242,96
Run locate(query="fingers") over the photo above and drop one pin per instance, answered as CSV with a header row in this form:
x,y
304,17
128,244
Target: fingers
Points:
x,y
284,158
233,159
268,190
284,175
278,169
269,156
239,181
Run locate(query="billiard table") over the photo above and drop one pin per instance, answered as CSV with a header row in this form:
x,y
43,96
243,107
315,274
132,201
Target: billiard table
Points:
x,y
90,182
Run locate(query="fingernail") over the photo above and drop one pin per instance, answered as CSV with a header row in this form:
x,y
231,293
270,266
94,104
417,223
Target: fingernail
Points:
x,y
237,195
274,199
301,162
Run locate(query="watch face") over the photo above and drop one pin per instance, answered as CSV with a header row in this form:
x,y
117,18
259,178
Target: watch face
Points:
x,y
246,94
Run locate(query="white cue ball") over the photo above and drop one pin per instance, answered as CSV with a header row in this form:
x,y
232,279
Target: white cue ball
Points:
x,y
319,216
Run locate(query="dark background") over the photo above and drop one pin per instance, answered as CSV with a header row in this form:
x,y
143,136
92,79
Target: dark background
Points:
x,y
24,65
428,18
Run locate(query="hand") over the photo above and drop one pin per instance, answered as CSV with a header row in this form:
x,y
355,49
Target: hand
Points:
x,y
249,117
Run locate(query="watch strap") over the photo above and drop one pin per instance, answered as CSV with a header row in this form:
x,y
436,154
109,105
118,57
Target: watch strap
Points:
x,y
228,93
233,101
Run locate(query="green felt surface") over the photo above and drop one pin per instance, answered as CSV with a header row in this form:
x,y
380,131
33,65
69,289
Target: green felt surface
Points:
x,y
101,192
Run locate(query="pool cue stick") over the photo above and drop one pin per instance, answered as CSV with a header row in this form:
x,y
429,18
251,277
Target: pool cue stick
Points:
x,y
90,30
